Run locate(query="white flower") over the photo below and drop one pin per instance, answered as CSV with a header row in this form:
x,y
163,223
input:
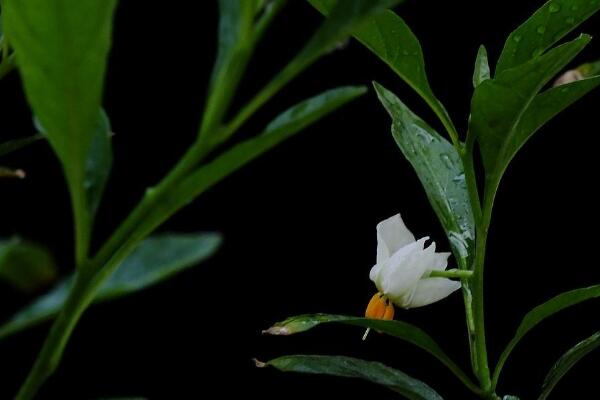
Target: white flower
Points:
x,y
404,265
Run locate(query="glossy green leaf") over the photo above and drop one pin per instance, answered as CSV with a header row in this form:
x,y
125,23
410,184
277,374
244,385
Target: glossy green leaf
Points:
x,y
567,361
155,259
482,67
54,40
546,106
235,43
282,127
348,367
540,313
440,170
390,38
498,106
16,144
398,329
26,266
543,29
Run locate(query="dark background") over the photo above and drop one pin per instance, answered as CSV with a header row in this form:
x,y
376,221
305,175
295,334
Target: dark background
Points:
x,y
300,222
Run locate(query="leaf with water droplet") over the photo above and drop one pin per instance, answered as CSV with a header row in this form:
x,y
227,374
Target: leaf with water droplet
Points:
x,y
543,29
482,67
440,170
499,107
391,39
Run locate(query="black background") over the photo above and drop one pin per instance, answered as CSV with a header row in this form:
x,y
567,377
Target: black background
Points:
x,y
300,222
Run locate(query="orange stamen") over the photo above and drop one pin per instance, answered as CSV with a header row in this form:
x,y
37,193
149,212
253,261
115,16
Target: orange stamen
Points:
x,y
380,307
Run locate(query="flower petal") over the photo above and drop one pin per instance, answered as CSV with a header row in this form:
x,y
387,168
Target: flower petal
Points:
x,y
404,270
440,262
431,290
392,235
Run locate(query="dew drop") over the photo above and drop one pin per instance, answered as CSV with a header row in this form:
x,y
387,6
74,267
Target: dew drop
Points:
x,y
405,52
517,38
537,52
459,178
447,161
541,29
425,137
554,8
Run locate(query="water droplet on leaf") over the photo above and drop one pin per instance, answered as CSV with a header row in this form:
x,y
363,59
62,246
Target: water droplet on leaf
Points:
x,y
541,29
447,161
517,38
554,8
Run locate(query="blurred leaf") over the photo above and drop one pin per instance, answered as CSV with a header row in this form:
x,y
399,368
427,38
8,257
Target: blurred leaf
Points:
x,y
398,329
62,46
543,29
440,170
282,127
482,67
26,266
348,367
16,144
344,19
155,259
235,43
390,38
498,106
543,311
567,361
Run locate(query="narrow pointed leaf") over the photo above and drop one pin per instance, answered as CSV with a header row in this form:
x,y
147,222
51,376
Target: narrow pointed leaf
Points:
x,y
16,144
390,38
281,128
236,20
348,367
156,259
62,48
567,361
543,311
26,266
499,104
482,67
543,29
546,106
440,169
398,329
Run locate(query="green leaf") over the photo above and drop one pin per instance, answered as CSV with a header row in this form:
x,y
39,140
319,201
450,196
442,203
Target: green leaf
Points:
x,y
98,163
16,144
62,47
567,361
482,67
390,38
155,259
26,266
546,106
440,170
235,43
498,106
282,127
540,313
398,329
543,29
348,367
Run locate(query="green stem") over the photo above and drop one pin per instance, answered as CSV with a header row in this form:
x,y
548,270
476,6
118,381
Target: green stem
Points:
x,y
49,358
452,273
478,295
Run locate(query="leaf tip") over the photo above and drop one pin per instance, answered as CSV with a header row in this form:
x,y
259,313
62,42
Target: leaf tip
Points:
x,y
259,364
277,331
